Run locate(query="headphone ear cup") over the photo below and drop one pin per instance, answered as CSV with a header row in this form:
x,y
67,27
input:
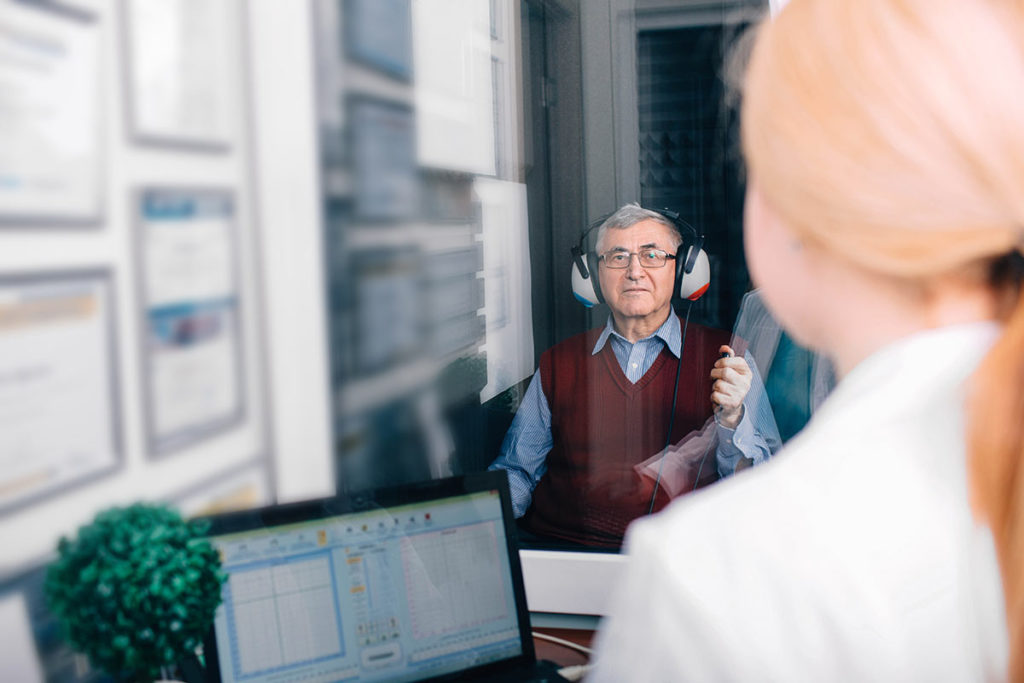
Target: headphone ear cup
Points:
x,y
680,264
587,290
692,285
593,263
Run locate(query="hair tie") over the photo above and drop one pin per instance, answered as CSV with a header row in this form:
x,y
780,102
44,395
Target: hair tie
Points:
x,y
1009,268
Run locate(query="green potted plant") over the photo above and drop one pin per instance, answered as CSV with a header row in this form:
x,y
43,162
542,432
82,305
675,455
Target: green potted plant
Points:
x,y
136,590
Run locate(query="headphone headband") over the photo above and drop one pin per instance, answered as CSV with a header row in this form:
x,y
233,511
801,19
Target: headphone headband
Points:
x,y
683,228
690,257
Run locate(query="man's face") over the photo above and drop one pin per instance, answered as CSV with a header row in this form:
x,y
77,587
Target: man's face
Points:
x,y
637,292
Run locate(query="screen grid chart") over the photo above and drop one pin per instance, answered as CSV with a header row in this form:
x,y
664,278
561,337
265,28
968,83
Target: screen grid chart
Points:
x,y
450,578
283,615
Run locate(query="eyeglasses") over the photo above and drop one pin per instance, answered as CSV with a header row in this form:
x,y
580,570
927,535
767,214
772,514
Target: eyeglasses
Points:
x,y
648,258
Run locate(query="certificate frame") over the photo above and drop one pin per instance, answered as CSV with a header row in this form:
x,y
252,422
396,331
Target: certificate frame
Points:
x,y
94,275
91,180
258,472
387,187
56,659
382,45
161,445
139,132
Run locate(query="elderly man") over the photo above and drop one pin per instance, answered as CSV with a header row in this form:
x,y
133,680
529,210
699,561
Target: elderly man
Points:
x,y
599,405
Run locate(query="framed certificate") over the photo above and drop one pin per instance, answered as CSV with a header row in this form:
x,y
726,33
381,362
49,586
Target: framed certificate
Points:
x,y
378,33
242,488
33,648
191,337
383,135
58,383
178,72
49,115
18,651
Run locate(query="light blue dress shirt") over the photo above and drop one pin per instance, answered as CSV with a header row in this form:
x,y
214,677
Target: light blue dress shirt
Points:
x,y
528,441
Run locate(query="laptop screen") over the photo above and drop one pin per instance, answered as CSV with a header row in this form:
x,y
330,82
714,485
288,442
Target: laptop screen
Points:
x,y
397,592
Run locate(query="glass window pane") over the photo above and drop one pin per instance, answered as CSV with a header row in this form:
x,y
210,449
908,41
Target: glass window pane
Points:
x,y
466,173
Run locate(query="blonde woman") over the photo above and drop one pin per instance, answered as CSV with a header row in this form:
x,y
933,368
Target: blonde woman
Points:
x,y
884,223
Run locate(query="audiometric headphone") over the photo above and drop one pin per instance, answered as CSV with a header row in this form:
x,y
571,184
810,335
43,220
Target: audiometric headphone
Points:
x,y
693,273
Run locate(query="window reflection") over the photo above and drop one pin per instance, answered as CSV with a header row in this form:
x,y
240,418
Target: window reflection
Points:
x,y
466,146
794,380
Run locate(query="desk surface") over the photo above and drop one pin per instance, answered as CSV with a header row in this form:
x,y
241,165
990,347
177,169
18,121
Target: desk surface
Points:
x,y
560,654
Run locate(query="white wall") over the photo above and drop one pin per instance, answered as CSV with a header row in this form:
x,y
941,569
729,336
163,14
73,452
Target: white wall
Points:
x,y
287,186
270,166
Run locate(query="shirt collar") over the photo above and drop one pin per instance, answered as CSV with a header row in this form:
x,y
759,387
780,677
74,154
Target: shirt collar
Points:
x,y
668,333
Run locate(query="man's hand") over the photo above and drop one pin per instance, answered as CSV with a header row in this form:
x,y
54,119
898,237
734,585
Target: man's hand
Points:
x,y
732,382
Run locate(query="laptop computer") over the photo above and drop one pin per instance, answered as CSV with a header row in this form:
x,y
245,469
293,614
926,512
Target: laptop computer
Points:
x,y
406,583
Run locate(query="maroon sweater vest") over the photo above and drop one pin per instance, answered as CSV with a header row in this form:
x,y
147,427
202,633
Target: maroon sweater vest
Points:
x,y
602,425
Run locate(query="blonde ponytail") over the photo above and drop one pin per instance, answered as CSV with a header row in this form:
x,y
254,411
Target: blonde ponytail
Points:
x,y
996,467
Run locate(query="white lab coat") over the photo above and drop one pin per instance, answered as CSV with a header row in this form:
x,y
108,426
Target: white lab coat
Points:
x,y
851,556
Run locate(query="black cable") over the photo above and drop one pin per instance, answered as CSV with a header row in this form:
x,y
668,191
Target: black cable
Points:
x,y
672,415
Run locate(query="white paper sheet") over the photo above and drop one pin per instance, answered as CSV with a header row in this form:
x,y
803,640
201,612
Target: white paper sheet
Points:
x,y
192,340
49,118
56,384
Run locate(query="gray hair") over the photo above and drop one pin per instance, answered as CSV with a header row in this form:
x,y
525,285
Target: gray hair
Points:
x,y
629,215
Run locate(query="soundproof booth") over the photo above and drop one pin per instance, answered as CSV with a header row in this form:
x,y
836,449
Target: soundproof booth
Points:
x,y
457,272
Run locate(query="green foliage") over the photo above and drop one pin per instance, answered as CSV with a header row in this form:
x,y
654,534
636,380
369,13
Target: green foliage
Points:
x,y
137,590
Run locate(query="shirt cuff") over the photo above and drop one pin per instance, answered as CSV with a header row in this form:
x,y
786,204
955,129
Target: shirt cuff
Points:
x,y
739,441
